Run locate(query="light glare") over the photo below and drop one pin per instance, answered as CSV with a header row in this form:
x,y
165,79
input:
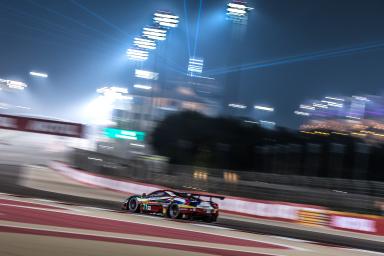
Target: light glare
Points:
x,y
142,86
301,113
139,73
234,105
38,74
264,108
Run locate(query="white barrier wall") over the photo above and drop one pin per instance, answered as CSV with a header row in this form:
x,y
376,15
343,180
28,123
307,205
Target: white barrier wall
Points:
x,y
103,182
273,210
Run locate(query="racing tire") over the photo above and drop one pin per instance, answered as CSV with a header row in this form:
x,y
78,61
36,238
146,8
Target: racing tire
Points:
x,y
133,205
210,219
174,211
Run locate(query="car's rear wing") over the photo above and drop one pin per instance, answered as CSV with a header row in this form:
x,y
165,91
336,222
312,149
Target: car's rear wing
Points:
x,y
207,195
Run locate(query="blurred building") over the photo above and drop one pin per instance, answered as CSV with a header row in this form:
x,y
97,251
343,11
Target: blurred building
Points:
x,y
358,116
149,106
195,93
149,102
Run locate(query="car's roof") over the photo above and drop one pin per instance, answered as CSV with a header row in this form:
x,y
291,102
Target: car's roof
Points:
x,y
175,193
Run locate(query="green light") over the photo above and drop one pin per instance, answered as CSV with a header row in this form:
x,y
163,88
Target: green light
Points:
x,y
124,134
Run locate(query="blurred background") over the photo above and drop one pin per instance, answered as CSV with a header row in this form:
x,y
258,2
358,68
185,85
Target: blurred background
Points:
x,y
273,100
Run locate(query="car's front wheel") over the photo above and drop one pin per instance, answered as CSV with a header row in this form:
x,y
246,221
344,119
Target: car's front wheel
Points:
x,y
133,205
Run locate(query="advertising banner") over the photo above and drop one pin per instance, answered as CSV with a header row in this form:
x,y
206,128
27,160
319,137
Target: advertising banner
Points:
x,y
38,125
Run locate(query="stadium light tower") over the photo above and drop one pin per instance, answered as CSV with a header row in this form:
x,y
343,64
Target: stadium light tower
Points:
x,y
144,43
137,54
162,22
195,65
166,19
237,11
155,33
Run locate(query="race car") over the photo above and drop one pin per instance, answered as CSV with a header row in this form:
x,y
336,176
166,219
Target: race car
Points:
x,y
175,205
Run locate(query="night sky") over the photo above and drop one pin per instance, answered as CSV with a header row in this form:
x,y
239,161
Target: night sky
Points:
x,y
81,45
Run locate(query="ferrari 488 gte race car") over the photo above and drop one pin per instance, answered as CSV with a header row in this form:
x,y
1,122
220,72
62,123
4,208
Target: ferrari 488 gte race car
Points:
x,y
175,205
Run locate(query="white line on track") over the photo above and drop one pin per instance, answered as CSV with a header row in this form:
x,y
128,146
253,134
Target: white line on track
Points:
x,y
79,210
95,208
30,207
35,166
158,218
291,239
363,251
211,226
186,243
46,200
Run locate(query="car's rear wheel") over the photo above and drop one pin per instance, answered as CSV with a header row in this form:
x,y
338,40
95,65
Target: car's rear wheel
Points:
x,y
133,205
210,218
174,211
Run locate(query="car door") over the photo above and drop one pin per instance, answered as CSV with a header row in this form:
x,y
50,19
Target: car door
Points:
x,y
155,201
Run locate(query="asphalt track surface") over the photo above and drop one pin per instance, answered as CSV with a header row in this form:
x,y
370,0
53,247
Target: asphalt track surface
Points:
x,y
60,229
33,227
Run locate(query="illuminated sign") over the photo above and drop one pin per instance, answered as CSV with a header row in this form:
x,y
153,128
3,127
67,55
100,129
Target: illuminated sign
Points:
x,y
124,134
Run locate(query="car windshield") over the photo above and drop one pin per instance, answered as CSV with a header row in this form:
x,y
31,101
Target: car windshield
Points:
x,y
170,193
187,195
